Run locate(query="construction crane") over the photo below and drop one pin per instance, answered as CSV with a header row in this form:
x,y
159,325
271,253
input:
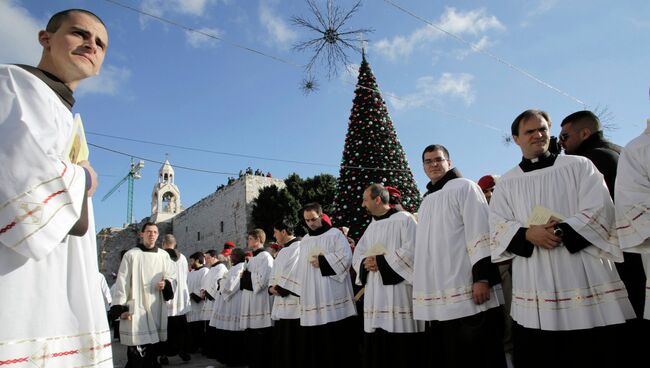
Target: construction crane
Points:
x,y
134,173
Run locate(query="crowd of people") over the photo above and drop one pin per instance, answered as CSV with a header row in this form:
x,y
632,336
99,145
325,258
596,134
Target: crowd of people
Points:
x,y
545,264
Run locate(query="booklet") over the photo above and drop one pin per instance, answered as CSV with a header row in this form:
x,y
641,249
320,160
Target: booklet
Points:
x,y
77,150
542,216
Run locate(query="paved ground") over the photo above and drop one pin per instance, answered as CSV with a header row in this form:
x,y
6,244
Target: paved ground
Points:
x,y
198,360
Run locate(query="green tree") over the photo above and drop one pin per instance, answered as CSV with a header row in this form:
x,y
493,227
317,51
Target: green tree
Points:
x,y
273,203
372,154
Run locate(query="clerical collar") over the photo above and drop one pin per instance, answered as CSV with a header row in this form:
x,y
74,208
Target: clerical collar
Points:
x,y
145,249
449,175
64,92
321,230
288,244
258,251
385,215
544,160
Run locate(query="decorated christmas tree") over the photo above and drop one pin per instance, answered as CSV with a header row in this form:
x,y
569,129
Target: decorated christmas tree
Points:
x,y
372,154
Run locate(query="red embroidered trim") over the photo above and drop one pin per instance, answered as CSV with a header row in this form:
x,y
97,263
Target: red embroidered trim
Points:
x,y
55,355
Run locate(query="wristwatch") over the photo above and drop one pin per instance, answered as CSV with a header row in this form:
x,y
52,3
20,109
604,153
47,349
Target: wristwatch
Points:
x,y
557,231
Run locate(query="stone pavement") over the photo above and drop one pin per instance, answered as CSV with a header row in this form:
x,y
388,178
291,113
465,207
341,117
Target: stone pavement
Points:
x,y
198,360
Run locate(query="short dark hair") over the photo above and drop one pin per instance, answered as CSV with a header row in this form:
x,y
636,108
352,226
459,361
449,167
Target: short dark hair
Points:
x,y
57,19
540,114
147,224
284,224
583,119
378,190
237,256
313,206
198,256
258,234
436,147
211,252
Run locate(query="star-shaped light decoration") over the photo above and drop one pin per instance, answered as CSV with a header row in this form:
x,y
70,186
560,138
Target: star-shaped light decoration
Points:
x,y
332,40
309,85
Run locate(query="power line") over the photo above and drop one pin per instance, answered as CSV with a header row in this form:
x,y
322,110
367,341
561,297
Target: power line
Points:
x,y
489,54
223,153
194,30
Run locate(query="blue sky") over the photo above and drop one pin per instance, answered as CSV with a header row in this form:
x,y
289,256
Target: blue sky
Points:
x,y
163,84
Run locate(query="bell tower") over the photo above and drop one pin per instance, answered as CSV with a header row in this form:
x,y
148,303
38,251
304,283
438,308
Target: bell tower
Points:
x,y
165,198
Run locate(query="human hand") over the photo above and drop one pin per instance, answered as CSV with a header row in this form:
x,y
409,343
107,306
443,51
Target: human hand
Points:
x,y
126,315
93,177
542,236
370,264
314,262
161,285
480,292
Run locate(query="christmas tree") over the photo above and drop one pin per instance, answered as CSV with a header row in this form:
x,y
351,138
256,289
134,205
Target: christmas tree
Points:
x,y
372,154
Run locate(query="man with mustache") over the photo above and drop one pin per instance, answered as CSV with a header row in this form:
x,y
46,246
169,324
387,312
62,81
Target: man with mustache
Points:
x,y
48,255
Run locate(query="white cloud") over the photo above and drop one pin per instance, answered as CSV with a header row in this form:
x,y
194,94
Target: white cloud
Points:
x,y
199,40
429,91
163,8
19,34
474,22
480,45
542,7
280,34
110,81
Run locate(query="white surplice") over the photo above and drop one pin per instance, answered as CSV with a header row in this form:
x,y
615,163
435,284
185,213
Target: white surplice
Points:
x,y
210,284
389,307
136,286
194,283
180,304
256,304
453,233
325,299
554,289
54,312
632,195
228,306
285,275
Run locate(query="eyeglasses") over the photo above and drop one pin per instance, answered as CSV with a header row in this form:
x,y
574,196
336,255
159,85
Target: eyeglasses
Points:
x,y
431,161
308,220
564,137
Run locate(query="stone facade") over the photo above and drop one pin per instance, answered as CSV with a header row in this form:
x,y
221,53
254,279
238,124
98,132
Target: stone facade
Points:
x,y
224,215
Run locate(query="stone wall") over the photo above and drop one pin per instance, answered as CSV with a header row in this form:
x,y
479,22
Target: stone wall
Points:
x,y
197,228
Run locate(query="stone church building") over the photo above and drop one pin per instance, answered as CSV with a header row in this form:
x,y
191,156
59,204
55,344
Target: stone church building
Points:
x,y
224,215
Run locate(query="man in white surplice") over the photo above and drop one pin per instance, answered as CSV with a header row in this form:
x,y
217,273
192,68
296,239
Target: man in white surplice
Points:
x,y
383,261
286,303
54,314
553,216
143,285
326,301
633,203
255,316
455,284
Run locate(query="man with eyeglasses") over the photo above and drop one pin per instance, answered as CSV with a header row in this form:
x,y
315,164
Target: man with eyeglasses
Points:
x,y
455,284
326,300
553,216
582,135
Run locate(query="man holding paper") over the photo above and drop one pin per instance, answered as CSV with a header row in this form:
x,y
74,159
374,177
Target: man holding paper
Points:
x,y
48,251
383,261
553,216
325,290
455,286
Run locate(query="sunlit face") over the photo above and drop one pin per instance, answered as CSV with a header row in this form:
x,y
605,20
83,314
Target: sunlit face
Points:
x,y
488,193
149,236
371,205
252,242
312,219
280,235
533,138
76,50
436,165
